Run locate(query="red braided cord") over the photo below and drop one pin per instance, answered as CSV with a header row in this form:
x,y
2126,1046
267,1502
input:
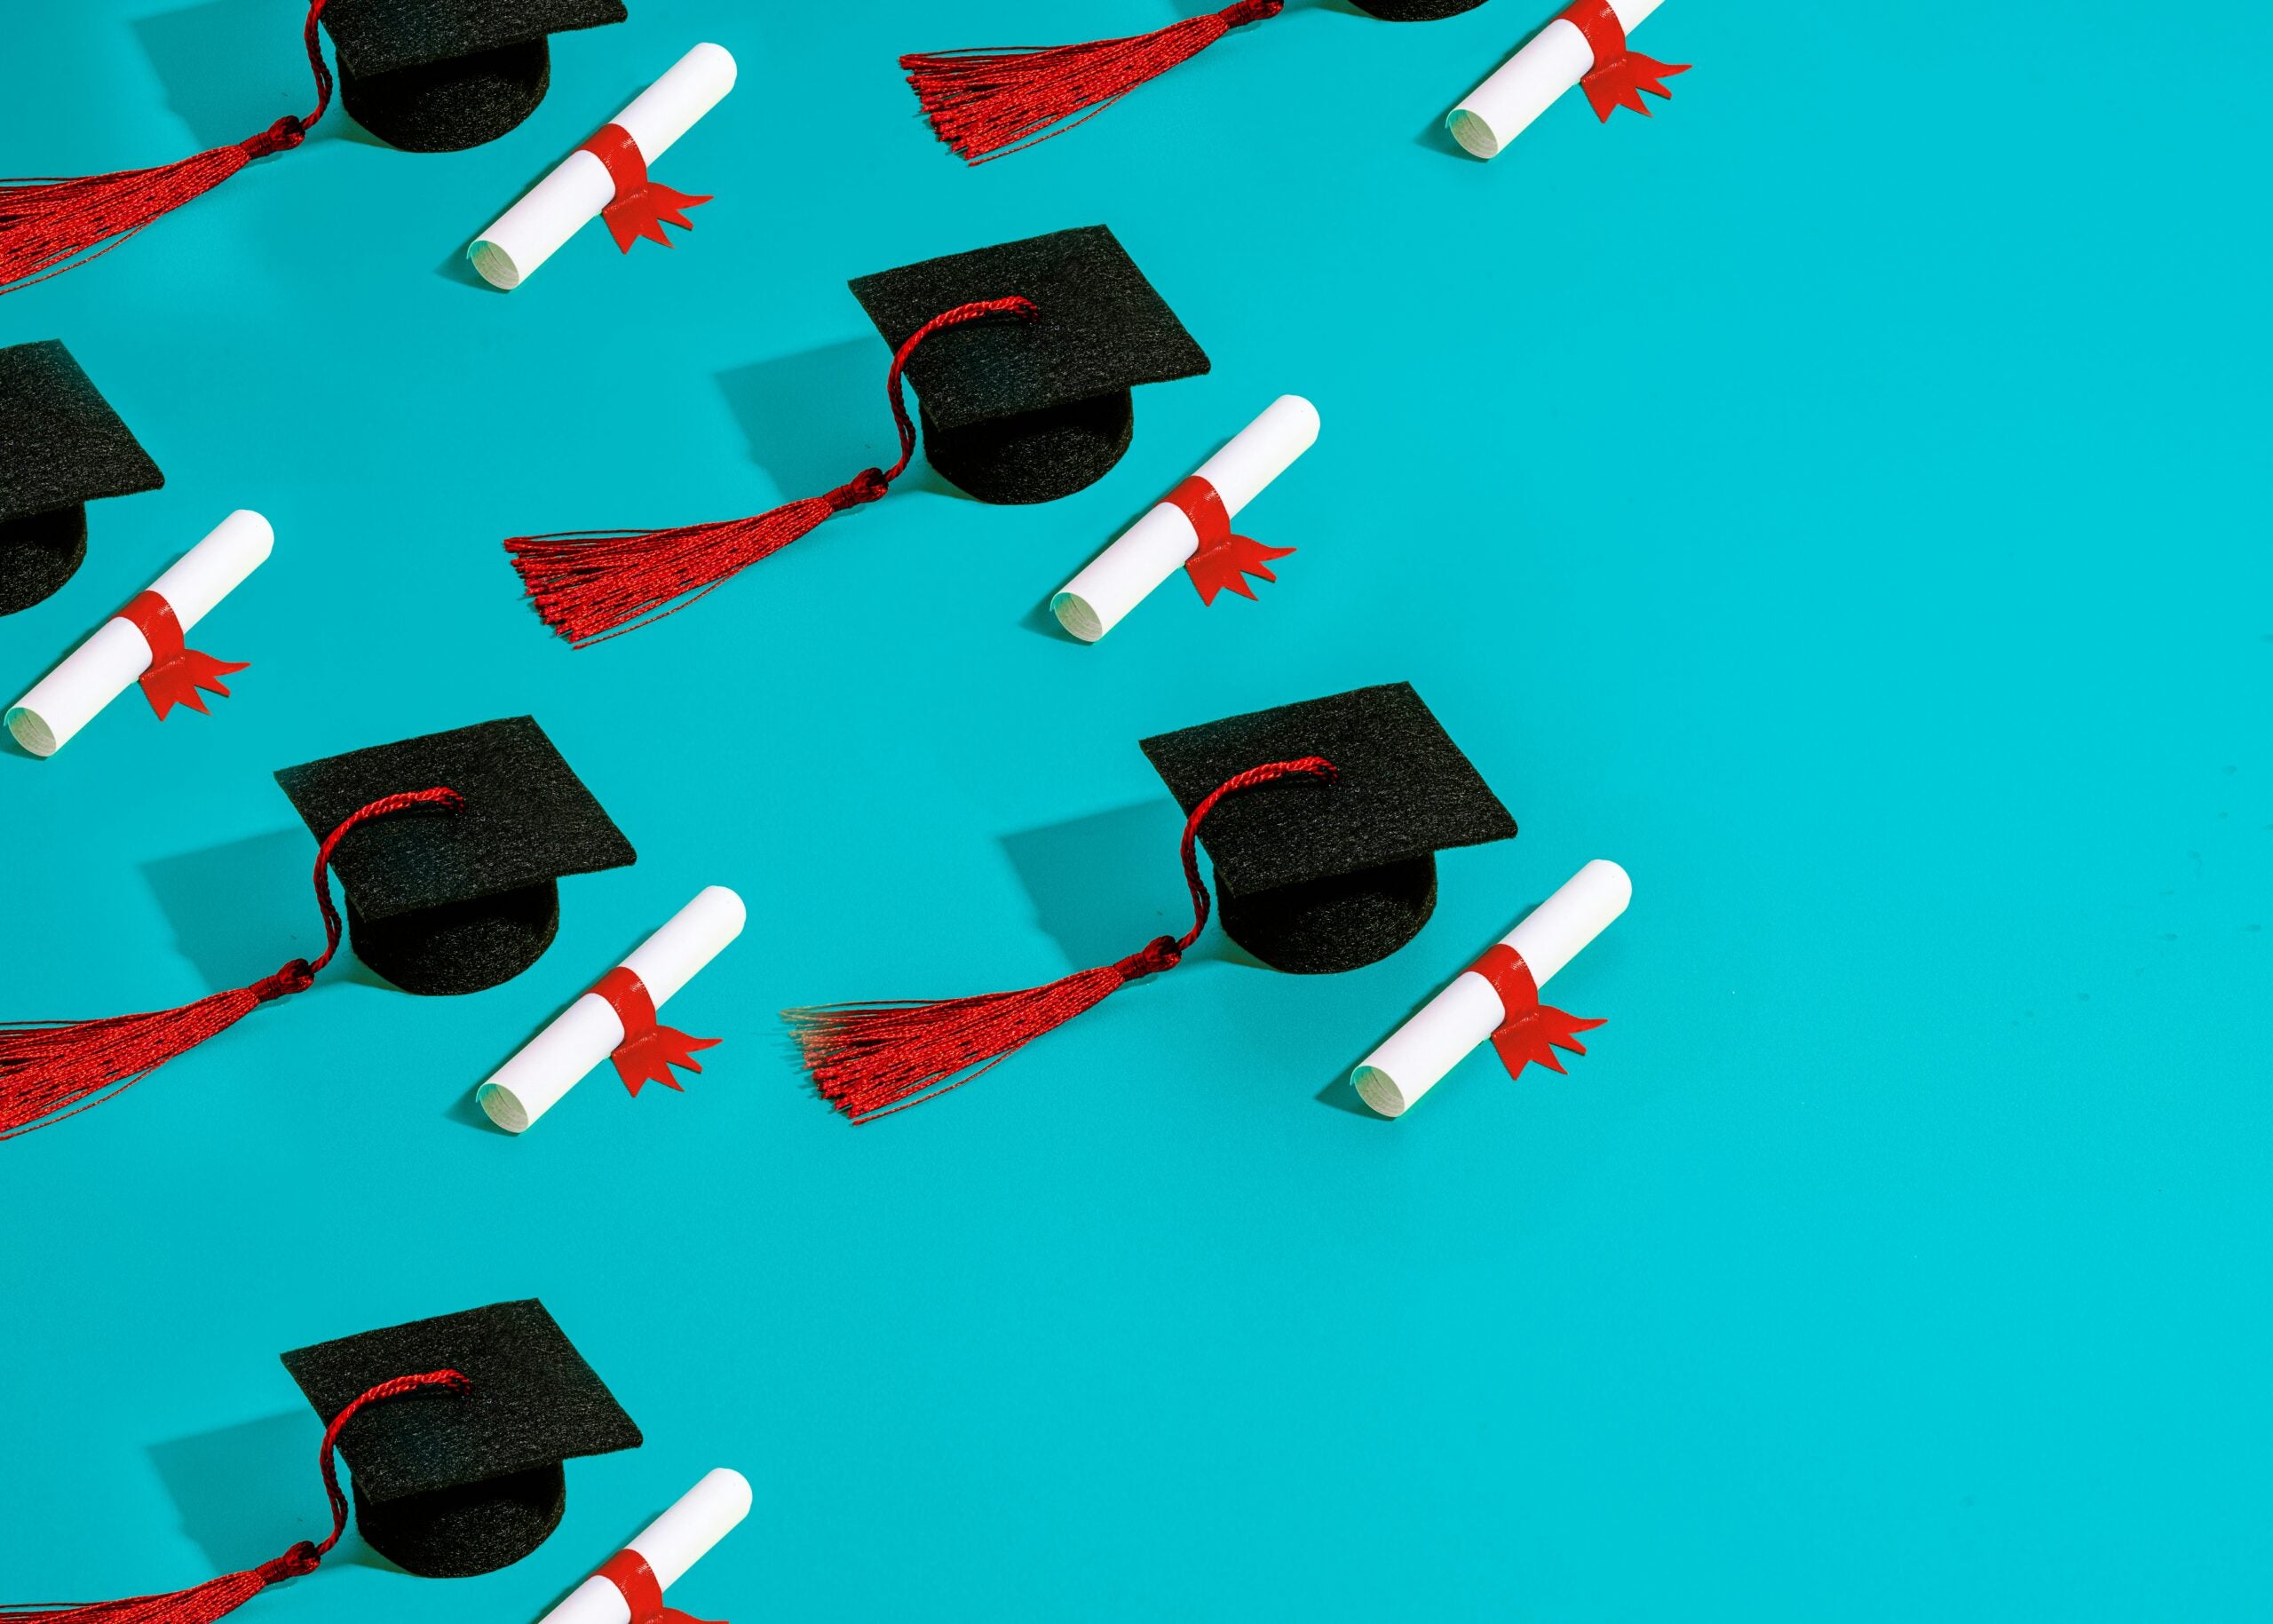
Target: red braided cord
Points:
x,y
871,1059
591,585
991,100
216,1598
52,1070
48,225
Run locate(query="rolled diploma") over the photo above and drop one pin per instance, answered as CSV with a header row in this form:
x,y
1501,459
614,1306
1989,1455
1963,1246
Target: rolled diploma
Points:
x,y
1530,82
1419,1054
572,195
673,1543
1157,545
107,663
587,1032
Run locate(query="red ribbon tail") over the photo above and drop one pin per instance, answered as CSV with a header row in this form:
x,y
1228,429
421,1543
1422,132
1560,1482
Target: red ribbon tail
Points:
x,y
649,1058
176,681
1226,567
1532,1037
642,214
1620,83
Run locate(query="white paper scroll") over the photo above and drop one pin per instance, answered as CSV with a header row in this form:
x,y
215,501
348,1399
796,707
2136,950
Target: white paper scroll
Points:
x,y
1419,1054
1158,545
572,195
109,662
671,1544
587,1032
1529,83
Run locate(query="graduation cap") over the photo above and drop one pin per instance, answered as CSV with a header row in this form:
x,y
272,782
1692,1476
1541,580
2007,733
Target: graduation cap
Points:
x,y
990,102
441,75
1320,884
1034,411
458,904
1013,410
61,446
427,76
451,1490
1323,819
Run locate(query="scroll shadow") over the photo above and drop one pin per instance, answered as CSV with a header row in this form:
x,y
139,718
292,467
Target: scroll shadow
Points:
x,y
1342,1096
246,1493
239,910
232,68
816,418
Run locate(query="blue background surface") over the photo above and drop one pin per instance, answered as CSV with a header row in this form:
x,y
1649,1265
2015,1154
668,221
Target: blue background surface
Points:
x,y
1839,499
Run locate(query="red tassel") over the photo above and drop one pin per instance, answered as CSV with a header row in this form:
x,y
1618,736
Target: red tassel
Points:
x,y
51,1070
591,585
871,1059
984,100
216,1598
48,225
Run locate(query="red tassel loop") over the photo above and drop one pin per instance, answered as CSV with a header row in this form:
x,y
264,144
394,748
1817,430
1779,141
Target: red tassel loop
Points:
x,y
591,585
51,1070
871,1059
216,1598
993,100
48,226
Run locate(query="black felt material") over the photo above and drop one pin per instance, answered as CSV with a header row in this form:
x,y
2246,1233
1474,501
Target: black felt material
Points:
x,y
61,443
442,901
441,75
450,1485
1416,10
1318,878
37,555
1029,411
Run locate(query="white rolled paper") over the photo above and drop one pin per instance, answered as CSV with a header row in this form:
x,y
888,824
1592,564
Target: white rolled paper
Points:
x,y
109,662
1552,61
570,197
1158,544
1452,1024
671,1544
587,1032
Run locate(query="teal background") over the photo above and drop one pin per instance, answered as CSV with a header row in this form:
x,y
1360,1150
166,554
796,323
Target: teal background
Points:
x,y
1839,499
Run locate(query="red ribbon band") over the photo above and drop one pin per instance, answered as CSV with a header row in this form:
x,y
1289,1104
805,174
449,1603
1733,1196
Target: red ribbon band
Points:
x,y
635,1581
1620,74
641,205
176,673
1222,562
648,1050
1531,1032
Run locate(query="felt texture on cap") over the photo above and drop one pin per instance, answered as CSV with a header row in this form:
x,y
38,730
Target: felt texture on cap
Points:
x,y
1416,10
441,902
1317,879
1029,411
61,446
448,1485
37,555
441,75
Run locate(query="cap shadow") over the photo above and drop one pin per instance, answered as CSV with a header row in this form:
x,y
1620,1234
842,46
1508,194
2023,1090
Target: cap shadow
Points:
x,y
1105,885
245,1493
816,418
241,909
230,68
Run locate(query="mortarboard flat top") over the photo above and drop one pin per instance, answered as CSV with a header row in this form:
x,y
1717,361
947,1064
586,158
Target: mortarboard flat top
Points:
x,y
61,443
380,36
450,1485
1405,790
1314,878
1030,411
527,818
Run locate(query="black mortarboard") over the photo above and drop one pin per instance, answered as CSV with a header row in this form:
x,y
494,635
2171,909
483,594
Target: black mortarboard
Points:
x,y
457,904
1416,10
1315,881
1031,411
441,76
452,1484
61,446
